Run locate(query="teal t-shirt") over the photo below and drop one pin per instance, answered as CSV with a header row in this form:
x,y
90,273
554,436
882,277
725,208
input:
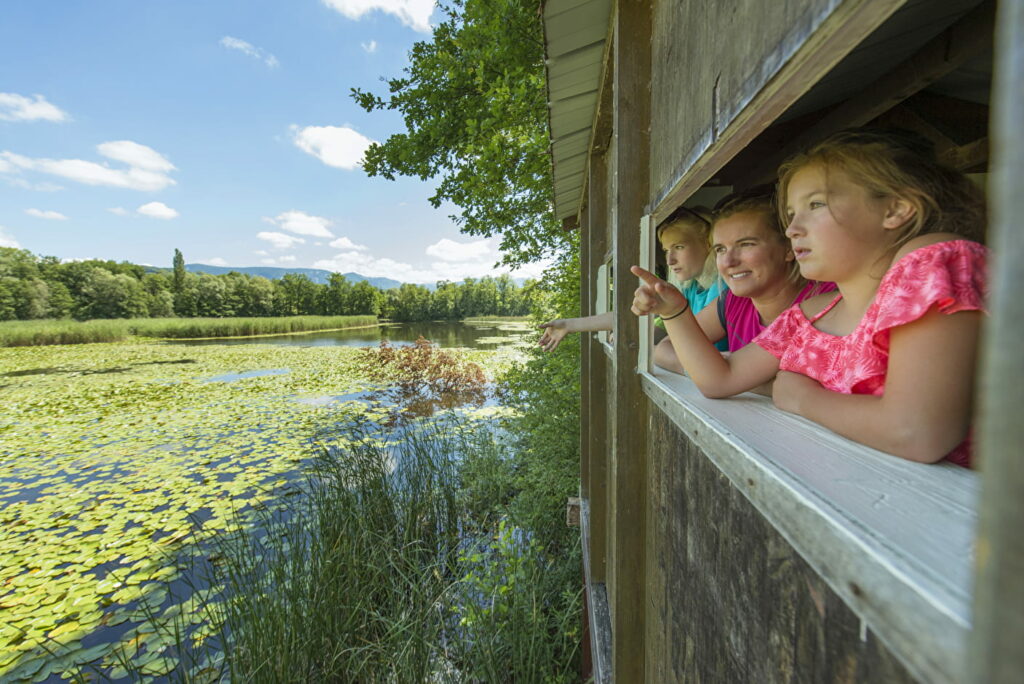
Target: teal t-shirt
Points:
x,y
699,297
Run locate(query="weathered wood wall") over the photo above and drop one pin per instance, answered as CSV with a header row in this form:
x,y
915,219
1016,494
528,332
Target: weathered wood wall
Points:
x,y
709,59
730,600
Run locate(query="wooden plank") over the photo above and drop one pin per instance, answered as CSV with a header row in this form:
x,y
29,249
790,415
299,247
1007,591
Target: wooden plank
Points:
x,y
893,539
833,37
599,622
965,39
996,653
631,123
646,261
595,420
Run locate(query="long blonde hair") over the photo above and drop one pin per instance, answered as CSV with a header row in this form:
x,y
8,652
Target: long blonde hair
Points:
x,y
695,224
897,163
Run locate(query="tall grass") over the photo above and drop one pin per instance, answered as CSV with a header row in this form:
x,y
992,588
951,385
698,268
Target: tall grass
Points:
x,y
395,567
29,333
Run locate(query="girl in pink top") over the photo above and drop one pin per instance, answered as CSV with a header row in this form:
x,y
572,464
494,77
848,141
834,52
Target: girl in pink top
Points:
x,y
889,361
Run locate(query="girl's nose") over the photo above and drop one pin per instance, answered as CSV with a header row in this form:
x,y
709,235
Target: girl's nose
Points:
x,y
794,228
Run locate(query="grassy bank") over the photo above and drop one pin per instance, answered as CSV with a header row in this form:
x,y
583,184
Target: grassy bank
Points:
x,y
34,333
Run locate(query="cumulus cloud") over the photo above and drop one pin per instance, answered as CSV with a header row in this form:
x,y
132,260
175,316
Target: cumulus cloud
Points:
x,y
157,210
279,240
14,107
337,146
289,259
119,211
216,261
249,49
369,48
444,260
268,261
46,214
261,252
413,13
345,243
449,250
7,240
135,155
301,223
147,169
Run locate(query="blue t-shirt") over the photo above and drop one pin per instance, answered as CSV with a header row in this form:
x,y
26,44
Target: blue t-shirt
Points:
x,y
699,297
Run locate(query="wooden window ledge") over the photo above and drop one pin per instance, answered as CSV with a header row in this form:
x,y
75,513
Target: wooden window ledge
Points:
x,y
893,538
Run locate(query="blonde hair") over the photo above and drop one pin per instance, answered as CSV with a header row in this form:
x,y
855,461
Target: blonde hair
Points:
x,y
897,163
695,224
759,199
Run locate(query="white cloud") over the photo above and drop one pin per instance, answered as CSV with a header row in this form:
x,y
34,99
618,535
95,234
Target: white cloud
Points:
x,y
268,262
443,260
119,211
301,223
337,146
370,47
147,169
261,252
449,250
46,214
290,259
249,49
216,261
412,13
14,107
157,210
345,243
7,240
279,240
135,155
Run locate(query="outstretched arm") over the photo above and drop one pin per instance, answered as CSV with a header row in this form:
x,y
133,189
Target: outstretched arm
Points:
x,y
556,330
714,375
925,411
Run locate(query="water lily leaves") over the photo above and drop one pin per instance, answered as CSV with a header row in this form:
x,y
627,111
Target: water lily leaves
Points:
x,y
106,480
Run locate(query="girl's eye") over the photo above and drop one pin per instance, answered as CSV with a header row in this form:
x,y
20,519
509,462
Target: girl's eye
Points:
x,y
817,204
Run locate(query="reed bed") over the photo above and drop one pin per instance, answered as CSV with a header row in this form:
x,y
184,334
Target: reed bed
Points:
x,y
395,567
31,333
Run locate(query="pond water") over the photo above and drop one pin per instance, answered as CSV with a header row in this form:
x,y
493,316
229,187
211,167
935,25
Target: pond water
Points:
x,y
114,458
474,335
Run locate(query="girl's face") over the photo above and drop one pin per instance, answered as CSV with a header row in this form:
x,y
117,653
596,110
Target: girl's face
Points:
x,y
684,253
751,257
837,230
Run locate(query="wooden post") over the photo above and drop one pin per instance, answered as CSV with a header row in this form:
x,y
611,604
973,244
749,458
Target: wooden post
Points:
x,y
594,447
998,626
628,481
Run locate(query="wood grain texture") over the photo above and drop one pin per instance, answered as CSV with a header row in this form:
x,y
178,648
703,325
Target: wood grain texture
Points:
x,y
892,539
737,603
996,653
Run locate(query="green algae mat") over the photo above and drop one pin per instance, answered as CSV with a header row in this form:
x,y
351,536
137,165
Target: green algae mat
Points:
x,y
117,460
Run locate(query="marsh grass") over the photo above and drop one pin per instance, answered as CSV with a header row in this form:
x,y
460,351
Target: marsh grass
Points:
x,y
31,333
393,568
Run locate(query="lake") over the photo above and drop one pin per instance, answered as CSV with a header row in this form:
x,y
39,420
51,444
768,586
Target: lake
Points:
x,y
116,460
473,335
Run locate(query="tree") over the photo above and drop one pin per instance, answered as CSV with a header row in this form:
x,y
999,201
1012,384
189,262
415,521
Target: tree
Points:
x,y
474,104
179,272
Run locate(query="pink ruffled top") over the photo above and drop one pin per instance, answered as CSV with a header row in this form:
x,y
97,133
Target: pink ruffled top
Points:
x,y
951,276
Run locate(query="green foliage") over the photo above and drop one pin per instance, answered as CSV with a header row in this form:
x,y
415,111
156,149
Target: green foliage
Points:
x,y
546,388
179,272
41,287
474,105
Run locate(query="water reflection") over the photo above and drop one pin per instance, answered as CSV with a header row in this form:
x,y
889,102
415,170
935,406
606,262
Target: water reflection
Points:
x,y
482,335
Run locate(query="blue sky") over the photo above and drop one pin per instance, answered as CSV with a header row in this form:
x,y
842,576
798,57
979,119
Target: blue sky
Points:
x,y
223,128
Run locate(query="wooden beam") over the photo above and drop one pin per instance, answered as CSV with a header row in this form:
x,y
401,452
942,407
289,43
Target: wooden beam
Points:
x,y
996,655
967,157
844,28
973,156
628,481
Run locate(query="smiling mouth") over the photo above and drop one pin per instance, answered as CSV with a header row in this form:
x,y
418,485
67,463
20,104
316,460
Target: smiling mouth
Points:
x,y
801,253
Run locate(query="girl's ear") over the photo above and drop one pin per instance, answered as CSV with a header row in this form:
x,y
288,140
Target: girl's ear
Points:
x,y
898,212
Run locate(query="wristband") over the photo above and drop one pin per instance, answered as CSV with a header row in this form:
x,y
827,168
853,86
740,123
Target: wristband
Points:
x,y
678,313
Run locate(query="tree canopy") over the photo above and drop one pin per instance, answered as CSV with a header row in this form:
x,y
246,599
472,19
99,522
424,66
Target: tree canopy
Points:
x,y
474,104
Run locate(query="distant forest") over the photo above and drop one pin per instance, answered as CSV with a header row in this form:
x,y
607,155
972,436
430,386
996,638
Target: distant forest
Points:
x,y
38,287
